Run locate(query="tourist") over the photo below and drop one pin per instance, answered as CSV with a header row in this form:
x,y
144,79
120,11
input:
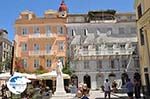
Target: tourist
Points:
x,y
107,89
137,85
85,92
129,88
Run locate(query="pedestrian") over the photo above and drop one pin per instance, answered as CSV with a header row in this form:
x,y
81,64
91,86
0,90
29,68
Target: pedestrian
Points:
x,y
129,88
137,85
107,89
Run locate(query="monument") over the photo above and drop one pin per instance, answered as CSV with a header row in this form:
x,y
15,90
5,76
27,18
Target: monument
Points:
x,y
60,91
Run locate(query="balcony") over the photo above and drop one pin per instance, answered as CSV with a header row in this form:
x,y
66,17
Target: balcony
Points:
x,y
41,53
46,35
105,52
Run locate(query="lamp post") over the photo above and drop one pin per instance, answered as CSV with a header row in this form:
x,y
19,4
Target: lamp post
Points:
x,y
11,66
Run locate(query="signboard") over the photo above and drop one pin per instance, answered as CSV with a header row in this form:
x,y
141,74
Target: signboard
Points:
x,y
17,84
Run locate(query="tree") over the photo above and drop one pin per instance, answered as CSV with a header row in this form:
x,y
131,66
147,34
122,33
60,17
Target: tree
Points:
x,y
6,63
18,65
40,70
67,69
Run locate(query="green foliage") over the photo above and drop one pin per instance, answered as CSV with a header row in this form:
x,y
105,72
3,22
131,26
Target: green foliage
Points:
x,y
110,11
40,70
6,63
67,69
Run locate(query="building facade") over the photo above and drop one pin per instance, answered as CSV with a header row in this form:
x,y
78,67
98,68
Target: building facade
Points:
x,y
40,41
5,51
102,44
142,8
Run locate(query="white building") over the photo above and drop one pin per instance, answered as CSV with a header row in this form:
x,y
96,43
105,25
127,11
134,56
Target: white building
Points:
x,y
5,51
102,44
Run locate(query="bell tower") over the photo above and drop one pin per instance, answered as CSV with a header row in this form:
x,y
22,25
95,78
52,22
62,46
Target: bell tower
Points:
x,y
63,9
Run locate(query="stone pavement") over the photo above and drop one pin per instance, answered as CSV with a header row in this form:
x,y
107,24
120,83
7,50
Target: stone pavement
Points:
x,y
100,95
96,95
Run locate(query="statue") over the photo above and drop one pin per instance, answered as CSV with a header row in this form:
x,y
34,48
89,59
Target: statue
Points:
x,y
59,68
60,91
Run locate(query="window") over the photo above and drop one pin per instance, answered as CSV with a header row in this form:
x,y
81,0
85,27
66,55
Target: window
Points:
x,y
99,64
124,63
110,46
61,46
141,36
86,64
133,30
73,32
24,63
48,30
24,31
48,63
121,30
122,46
36,63
24,47
85,31
36,30
48,48
36,47
60,30
139,11
109,30
112,64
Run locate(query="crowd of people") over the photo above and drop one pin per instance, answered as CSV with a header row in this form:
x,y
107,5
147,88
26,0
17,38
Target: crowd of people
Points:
x,y
131,86
82,91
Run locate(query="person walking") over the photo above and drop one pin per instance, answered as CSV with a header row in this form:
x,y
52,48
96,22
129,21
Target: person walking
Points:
x,y
107,89
137,85
129,88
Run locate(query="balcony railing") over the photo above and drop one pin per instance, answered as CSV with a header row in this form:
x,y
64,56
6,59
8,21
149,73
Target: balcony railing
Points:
x,y
38,35
105,52
41,53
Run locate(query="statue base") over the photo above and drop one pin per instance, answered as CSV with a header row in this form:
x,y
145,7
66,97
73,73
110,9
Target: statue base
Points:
x,y
60,91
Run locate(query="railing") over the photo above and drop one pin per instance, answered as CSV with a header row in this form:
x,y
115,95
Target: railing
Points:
x,y
105,52
40,53
38,35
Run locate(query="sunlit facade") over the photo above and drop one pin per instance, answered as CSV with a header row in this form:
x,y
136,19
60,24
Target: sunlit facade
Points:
x,y
40,41
142,8
102,44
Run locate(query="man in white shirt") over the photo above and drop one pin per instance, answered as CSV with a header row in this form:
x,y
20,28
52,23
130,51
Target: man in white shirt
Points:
x,y
107,89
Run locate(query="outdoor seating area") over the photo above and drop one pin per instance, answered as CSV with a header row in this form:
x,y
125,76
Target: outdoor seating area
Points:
x,y
41,85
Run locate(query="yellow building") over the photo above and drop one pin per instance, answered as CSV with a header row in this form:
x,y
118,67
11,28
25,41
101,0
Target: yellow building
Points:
x,y
40,41
142,8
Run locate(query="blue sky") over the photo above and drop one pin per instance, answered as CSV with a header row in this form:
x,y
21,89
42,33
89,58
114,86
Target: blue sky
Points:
x,y
10,9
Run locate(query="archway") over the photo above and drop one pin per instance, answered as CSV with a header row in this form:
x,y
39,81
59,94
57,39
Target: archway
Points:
x,y
99,80
112,76
87,80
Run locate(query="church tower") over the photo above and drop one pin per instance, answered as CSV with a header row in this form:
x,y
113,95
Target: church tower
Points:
x,y
63,9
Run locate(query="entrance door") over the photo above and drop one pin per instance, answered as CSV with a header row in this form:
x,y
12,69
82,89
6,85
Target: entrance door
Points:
x,y
87,80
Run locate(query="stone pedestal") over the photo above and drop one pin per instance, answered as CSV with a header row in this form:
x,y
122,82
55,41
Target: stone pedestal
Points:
x,y
60,91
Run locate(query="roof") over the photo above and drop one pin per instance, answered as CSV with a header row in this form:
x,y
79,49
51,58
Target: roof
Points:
x,y
103,38
76,40
90,39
